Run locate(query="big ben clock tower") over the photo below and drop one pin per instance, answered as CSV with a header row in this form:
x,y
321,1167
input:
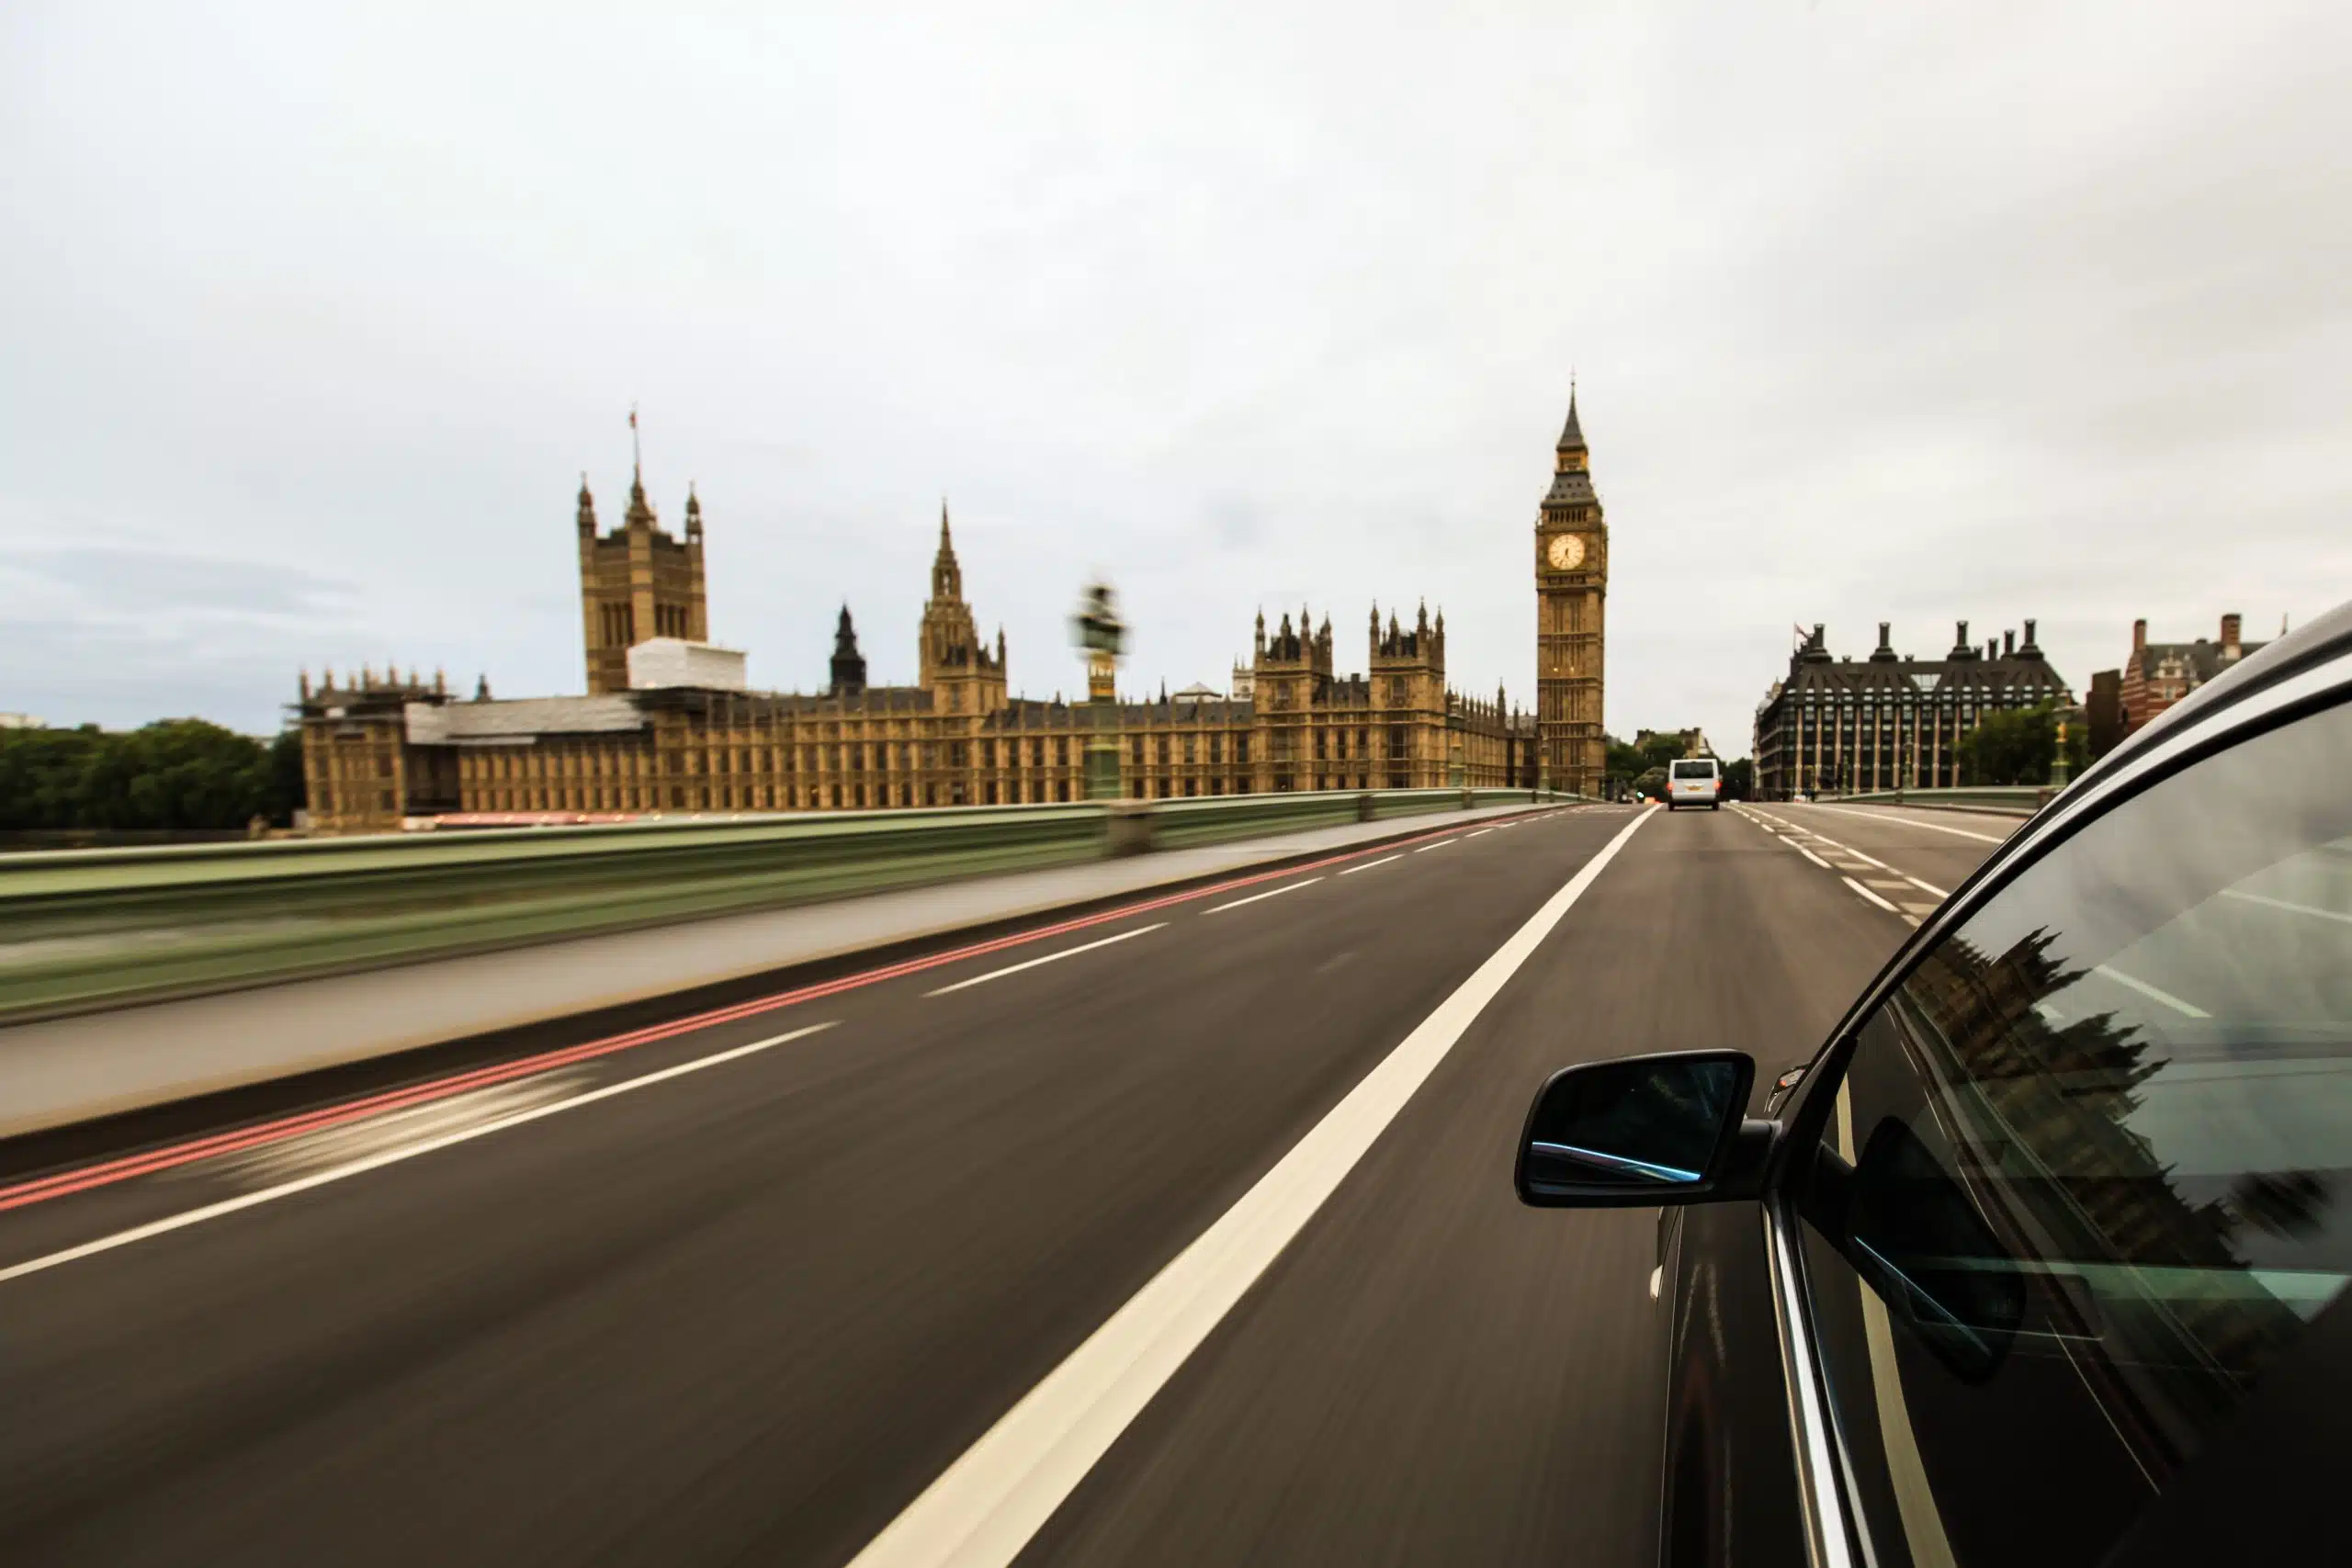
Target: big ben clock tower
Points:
x,y
1571,588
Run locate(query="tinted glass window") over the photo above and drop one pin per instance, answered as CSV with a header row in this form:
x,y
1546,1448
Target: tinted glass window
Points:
x,y
1694,770
2088,1180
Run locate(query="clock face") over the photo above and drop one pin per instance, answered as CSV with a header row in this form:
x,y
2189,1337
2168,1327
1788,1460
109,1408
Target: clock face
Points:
x,y
1566,553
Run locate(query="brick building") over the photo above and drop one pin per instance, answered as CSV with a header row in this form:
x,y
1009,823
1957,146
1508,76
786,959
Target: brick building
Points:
x,y
2158,674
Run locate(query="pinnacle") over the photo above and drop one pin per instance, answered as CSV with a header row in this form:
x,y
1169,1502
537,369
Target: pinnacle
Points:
x,y
1572,433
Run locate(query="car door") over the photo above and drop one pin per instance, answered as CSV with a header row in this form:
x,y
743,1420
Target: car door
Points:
x,y
2075,1226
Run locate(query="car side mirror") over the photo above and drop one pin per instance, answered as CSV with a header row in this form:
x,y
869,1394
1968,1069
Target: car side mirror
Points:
x,y
1642,1131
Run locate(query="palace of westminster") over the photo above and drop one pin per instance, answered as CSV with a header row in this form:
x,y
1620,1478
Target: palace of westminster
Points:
x,y
669,726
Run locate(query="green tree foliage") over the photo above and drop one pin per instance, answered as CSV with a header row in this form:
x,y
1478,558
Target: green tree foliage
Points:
x,y
1660,750
175,773
1739,779
1625,762
2017,746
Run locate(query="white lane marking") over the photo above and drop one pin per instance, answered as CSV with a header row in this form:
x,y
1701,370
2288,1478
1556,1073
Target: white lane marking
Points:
x,y
1925,887
1910,908
1050,958
1849,850
269,1163
1869,895
2283,904
1271,893
2145,989
1915,822
390,1157
983,1510
1807,853
1385,860
1477,832
1887,884
1439,845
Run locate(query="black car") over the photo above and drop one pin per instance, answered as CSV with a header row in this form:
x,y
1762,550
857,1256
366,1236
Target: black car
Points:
x,y
2042,1258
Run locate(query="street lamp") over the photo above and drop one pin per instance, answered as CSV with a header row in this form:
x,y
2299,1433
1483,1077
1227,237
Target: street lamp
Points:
x,y
1099,632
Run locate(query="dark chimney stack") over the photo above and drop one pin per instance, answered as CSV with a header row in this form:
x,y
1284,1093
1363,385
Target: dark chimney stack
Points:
x,y
2139,635
2008,643
2230,626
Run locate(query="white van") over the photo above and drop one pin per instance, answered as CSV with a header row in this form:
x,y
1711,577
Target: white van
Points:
x,y
1694,781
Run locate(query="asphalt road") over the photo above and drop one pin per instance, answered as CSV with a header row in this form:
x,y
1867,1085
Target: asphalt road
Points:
x,y
1193,1243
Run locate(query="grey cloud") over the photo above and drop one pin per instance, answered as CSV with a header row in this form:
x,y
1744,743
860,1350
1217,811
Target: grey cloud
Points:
x,y
1882,312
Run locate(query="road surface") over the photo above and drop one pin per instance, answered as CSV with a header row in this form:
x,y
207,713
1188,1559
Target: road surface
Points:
x,y
1183,1234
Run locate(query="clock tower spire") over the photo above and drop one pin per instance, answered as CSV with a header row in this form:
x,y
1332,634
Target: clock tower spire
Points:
x,y
1571,590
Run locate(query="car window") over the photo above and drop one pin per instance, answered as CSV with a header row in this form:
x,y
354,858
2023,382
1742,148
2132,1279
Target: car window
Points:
x,y
1694,770
2087,1176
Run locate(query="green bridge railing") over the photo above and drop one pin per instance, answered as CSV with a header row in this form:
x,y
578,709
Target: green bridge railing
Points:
x,y
87,928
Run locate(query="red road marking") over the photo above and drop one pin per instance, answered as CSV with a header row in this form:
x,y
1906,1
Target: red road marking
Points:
x,y
66,1183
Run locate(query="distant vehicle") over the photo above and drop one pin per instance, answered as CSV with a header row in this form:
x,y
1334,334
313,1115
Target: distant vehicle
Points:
x,y
2042,1258
1694,781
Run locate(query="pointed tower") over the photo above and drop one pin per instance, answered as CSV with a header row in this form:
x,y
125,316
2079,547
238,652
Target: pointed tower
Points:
x,y
952,663
1571,634
637,582
849,665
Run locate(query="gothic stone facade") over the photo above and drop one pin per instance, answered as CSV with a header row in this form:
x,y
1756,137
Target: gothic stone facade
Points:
x,y
1888,722
381,748
637,583
1571,630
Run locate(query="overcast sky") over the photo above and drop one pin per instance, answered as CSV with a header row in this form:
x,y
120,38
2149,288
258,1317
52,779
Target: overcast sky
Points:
x,y
1907,312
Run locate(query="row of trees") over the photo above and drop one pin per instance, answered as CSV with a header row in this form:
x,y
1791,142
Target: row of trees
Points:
x,y
2019,746
178,773
1640,771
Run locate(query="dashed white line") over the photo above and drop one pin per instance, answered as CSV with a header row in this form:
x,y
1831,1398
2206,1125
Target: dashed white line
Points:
x,y
2188,1009
1477,831
1807,853
1869,895
1052,957
1384,860
1923,886
983,1510
390,1157
1271,893
1439,845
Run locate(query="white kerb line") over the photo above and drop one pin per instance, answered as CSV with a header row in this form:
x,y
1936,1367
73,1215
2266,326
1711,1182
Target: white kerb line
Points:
x,y
983,1510
1915,822
1384,860
2188,1009
1869,895
2282,903
391,1156
1050,958
1271,893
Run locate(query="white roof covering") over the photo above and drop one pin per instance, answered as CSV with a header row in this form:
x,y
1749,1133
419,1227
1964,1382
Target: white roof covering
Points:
x,y
443,724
